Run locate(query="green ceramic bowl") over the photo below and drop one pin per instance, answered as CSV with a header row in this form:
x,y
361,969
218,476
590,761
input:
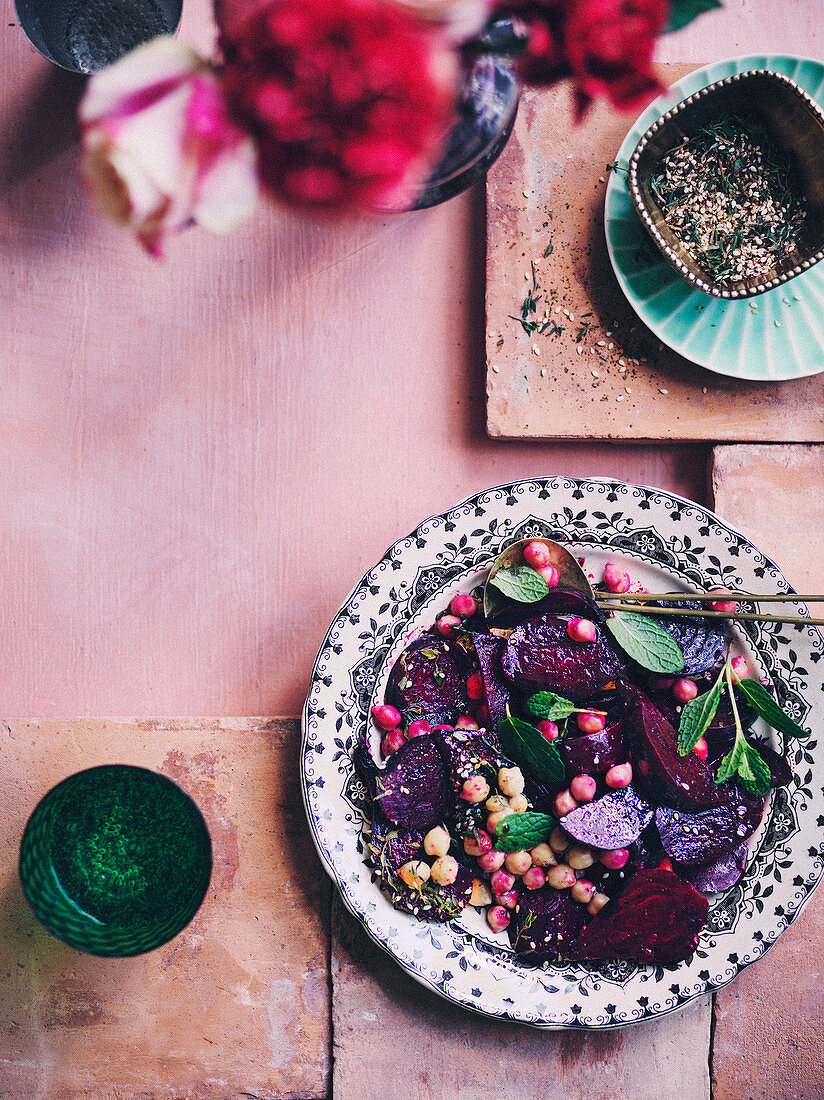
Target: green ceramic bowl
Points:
x,y
774,337
115,860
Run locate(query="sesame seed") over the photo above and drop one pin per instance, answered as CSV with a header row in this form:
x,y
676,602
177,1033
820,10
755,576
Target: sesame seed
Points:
x,y
620,397
595,374
663,391
602,343
777,324
622,363
543,373
627,389
496,368
536,350
580,350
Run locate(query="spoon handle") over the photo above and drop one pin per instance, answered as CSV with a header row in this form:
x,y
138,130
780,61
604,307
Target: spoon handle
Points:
x,y
751,597
694,613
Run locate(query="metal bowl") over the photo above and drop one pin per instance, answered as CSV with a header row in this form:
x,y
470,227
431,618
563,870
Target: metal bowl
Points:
x,y
795,124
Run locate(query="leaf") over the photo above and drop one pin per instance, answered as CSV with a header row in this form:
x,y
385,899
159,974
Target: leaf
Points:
x,y
697,715
729,765
525,745
521,583
546,704
646,642
684,11
753,772
525,830
762,702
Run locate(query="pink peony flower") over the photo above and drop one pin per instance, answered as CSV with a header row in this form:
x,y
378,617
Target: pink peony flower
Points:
x,y
605,46
348,100
160,150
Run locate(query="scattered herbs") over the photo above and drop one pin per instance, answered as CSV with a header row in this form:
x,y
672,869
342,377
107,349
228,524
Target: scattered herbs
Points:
x,y
732,198
647,643
697,716
743,759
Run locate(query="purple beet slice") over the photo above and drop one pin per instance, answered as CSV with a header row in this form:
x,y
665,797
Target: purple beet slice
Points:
x,y
701,640
426,681
669,778
594,753
613,821
692,838
544,923
413,789
657,919
498,693
388,847
721,874
433,902
541,656
561,601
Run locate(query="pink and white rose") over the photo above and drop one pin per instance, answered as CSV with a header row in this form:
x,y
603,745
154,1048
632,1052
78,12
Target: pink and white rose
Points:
x,y
161,151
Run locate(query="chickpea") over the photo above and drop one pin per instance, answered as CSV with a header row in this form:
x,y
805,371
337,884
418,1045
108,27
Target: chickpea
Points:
x,y
598,902
475,789
518,863
415,873
481,894
579,857
543,856
560,877
445,870
583,891
494,820
496,802
511,781
559,841
519,803
436,841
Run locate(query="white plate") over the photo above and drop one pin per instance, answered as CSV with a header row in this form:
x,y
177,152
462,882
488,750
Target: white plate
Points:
x,y
670,541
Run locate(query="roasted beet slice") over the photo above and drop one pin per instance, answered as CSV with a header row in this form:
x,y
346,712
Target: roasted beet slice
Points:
x,y
561,601
433,902
594,753
498,694
427,681
657,919
541,656
413,789
701,640
720,743
613,821
669,778
702,837
721,874
389,846
544,923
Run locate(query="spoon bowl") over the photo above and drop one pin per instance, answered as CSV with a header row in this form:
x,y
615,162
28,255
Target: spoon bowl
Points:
x,y
570,576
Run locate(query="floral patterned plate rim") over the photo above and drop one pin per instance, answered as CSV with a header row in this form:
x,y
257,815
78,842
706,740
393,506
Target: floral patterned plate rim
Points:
x,y
664,537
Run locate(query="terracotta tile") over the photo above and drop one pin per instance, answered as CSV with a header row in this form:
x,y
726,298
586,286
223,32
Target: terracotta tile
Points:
x,y
238,1002
547,191
395,1038
768,1039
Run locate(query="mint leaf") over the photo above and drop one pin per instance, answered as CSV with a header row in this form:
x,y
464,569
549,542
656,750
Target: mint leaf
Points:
x,y
528,748
525,830
762,702
697,715
729,765
684,11
521,583
546,704
646,642
753,772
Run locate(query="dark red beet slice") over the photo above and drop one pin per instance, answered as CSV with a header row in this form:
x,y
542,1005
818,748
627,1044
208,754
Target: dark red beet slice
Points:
x,y
702,837
669,778
657,919
721,874
560,601
498,693
721,741
613,821
427,681
701,640
544,923
413,789
541,656
389,847
594,753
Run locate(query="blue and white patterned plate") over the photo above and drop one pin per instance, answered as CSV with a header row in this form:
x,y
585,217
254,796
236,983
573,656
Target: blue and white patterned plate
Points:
x,y
666,541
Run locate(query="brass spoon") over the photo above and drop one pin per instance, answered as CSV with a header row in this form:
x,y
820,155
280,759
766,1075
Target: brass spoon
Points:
x,y
571,575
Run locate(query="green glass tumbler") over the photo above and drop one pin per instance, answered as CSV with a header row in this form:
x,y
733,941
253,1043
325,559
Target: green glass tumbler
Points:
x,y
115,860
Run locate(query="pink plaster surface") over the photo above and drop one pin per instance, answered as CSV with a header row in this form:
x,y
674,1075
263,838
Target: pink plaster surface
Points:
x,y
200,457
